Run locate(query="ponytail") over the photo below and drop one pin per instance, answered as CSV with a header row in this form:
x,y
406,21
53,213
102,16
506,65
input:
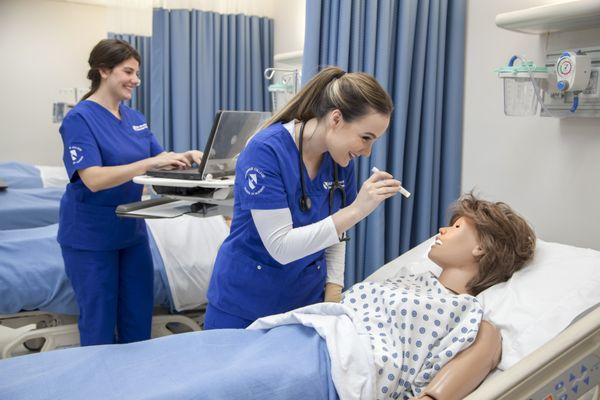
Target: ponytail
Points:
x,y
94,76
355,94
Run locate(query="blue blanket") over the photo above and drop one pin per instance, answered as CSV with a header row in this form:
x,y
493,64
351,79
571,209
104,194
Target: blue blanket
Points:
x,y
29,208
32,273
288,362
20,176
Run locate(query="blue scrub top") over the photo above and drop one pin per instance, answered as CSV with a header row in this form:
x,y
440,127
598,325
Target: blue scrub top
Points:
x,y
93,136
246,280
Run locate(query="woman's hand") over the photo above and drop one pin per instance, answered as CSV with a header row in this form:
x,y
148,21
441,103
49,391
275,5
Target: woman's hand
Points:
x,y
374,190
168,161
333,293
193,156
377,188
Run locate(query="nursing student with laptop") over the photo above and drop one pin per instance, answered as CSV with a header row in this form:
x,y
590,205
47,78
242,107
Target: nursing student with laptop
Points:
x,y
106,144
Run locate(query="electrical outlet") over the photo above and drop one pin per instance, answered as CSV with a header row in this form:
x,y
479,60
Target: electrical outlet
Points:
x,y
81,92
66,95
592,91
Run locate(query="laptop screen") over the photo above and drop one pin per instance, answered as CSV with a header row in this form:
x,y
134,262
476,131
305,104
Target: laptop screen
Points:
x,y
228,138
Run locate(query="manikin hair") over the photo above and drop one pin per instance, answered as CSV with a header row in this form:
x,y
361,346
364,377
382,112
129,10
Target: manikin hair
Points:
x,y
505,237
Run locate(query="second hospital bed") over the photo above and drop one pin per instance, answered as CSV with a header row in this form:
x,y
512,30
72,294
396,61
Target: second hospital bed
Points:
x,y
18,175
33,195
32,198
550,350
32,277
29,208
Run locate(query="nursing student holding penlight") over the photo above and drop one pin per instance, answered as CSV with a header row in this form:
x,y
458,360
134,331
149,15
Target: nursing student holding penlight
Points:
x,y
295,197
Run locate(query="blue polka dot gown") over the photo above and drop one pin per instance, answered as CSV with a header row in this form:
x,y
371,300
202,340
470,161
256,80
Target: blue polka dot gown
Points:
x,y
415,326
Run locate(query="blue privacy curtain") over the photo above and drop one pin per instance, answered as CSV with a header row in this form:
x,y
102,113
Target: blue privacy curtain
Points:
x,y
140,100
415,49
203,62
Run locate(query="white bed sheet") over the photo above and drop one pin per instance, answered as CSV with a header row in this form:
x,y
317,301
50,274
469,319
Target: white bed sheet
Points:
x,y
53,176
188,247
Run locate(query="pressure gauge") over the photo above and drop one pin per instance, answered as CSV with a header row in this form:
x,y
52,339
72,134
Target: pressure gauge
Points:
x,y
573,72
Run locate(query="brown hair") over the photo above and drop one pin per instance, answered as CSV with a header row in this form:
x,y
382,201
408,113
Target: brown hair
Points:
x,y
505,237
355,94
108,53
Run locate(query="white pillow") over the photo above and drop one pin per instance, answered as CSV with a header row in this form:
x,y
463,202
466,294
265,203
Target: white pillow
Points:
x,y
53,176
542,299
536,303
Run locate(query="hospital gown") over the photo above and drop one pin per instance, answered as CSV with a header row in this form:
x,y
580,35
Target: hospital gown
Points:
x,y
415,327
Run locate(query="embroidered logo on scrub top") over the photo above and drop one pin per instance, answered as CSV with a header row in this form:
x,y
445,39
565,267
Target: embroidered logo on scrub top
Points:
x,y
253,177
76,154
138,128
329,185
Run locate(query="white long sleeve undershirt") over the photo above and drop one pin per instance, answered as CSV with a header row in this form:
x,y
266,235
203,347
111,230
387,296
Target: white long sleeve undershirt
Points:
x,y
335,257
286,244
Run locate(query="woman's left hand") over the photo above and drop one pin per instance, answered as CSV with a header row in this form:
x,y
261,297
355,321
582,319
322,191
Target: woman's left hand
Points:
x,y
193,156
333,293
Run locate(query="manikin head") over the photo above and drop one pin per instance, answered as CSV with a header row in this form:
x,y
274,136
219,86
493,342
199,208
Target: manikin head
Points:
x,y
489,238
352,109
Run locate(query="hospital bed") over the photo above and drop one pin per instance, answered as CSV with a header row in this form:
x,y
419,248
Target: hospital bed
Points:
x,y
550,350
37,303
549,317
32,198
29,208
28,176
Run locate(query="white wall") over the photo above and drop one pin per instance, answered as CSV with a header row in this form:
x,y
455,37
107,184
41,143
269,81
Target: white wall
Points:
x,y
44,46
289,22
547,169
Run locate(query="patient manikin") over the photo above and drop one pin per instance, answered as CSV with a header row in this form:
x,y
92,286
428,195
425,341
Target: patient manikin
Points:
x,y
426,336
417,324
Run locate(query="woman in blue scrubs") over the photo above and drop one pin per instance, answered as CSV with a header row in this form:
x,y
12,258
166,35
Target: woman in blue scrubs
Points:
x,y
295,197
106,144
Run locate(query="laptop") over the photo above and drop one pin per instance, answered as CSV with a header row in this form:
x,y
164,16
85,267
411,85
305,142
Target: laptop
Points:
x,y
228,136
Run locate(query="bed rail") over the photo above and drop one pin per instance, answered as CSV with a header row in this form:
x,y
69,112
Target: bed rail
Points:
x,y
567,367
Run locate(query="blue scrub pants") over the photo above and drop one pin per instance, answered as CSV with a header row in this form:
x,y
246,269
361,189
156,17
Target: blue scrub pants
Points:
x,y
218,319
113,289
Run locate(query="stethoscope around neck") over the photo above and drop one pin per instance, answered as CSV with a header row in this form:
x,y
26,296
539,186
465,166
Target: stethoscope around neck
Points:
x,y
305,202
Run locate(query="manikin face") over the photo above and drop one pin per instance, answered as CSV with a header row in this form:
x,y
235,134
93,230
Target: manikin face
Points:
x,y
456,246
348,140
122,79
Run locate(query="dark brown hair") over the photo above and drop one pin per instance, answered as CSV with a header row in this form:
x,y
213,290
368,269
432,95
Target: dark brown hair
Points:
x,y
108,53
355,94
505,237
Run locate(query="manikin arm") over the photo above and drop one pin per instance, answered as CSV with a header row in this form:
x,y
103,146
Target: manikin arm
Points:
x,y
461,375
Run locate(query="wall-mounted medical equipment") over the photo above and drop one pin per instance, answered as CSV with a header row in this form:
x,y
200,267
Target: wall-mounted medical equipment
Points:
x,y
573,72
566,84
67,98
285,84
525,84
522,86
